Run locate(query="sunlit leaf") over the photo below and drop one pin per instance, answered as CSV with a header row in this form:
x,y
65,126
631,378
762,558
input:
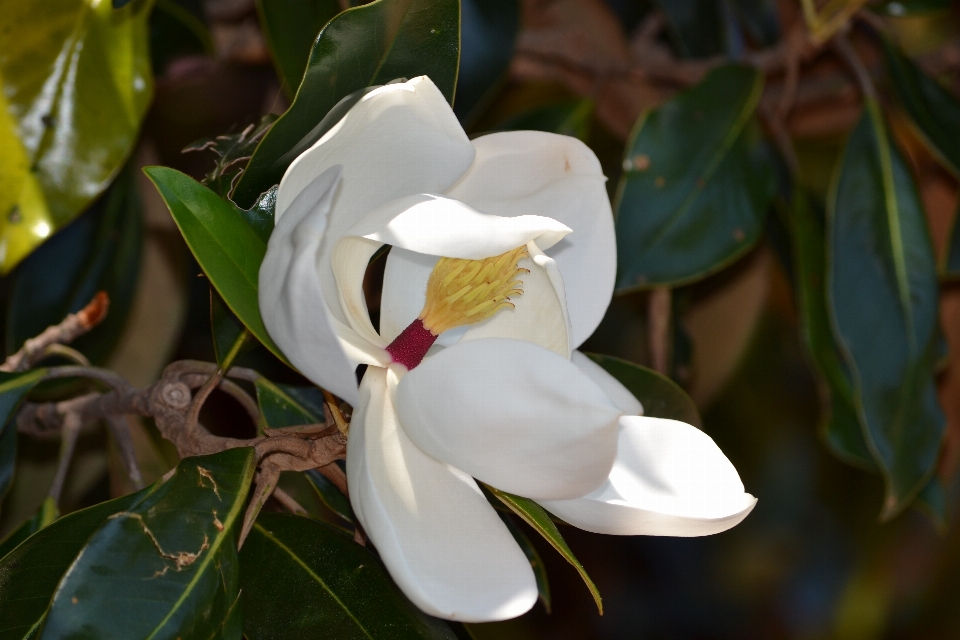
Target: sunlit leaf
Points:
x,y
290,27
535,516
76,83
696,185
660,396
367,45
304,579
932,109
170,557
882,294
488,30
45,515
13,388
228,249
570,118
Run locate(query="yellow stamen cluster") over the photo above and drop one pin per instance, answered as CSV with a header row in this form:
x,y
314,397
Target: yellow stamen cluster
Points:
x,y
461,292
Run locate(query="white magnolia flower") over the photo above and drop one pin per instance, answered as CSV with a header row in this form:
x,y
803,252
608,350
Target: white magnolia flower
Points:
x,y
502,263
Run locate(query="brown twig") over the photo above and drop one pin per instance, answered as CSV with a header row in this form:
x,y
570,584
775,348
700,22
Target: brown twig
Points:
x,y
658,316
120,428
265,484
71,431
287,501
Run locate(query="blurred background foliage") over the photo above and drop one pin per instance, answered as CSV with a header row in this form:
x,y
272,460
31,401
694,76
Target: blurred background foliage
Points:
x,y
784,175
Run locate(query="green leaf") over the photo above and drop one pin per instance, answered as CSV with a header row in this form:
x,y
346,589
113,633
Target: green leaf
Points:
x,y
488,32
290,27
228,249
660,396
13,388
260,215
330,496
286,406
539,570
932,109
45,515
30,573
882,295
76,83
364,46
100,251
570,118
760,18
535,516
695,26
696,185
230,337
303,579
951,263
170,557
898,8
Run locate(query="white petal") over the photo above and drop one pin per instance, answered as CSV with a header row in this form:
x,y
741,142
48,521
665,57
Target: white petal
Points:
x,y
441,226
349,263
397,140
440,539
404,290
621,396
293,307
669,479
512,414
536,173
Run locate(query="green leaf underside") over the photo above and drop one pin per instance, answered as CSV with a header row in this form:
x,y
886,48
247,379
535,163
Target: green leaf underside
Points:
x,y
570,118
29,574
303,579
330,496
539,570
535,516
287,406
228,249
696,185
45,515
400,39
882,296
290,27
932,109
13,388
660,396
171,557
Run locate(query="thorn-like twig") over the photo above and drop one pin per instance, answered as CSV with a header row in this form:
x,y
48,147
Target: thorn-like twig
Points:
x,y
287,501
71,430
120,428
264,486
335,413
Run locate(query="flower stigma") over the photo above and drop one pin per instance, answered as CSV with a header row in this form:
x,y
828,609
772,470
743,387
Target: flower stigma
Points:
x,y
459,292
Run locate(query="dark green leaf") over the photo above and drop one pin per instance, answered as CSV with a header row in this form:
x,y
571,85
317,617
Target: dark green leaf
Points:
x,y
696,185
882,294
287,406
228,249
45,515
76,83
170,557
840,426
364,46
951,263
760,19
100,251
695,26
898,8
539,570
13,388
535,516
488,30
933,111
330,496
660,396
29,574
571,118
290,27
304,579
260,215
230,337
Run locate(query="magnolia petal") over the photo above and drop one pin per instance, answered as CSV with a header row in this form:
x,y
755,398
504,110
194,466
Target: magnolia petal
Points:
x,y
512,414
442,542
441,226
533,172
669,479
404,290
349,263
292,306
621,396
397,140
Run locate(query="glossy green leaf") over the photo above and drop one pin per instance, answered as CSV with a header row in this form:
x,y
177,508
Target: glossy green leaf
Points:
x,y
260,215
330,496
228,249
660,396
286,406
368,45
30,573
303,579
488,32
696,185
76,83
570,118
290,28
230,337
170,557
45,515
882,295
100,251
535,516
13,388
951,262
933,110
539,569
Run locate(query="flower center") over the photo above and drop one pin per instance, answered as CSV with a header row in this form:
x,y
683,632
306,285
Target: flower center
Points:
x,y
459,292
